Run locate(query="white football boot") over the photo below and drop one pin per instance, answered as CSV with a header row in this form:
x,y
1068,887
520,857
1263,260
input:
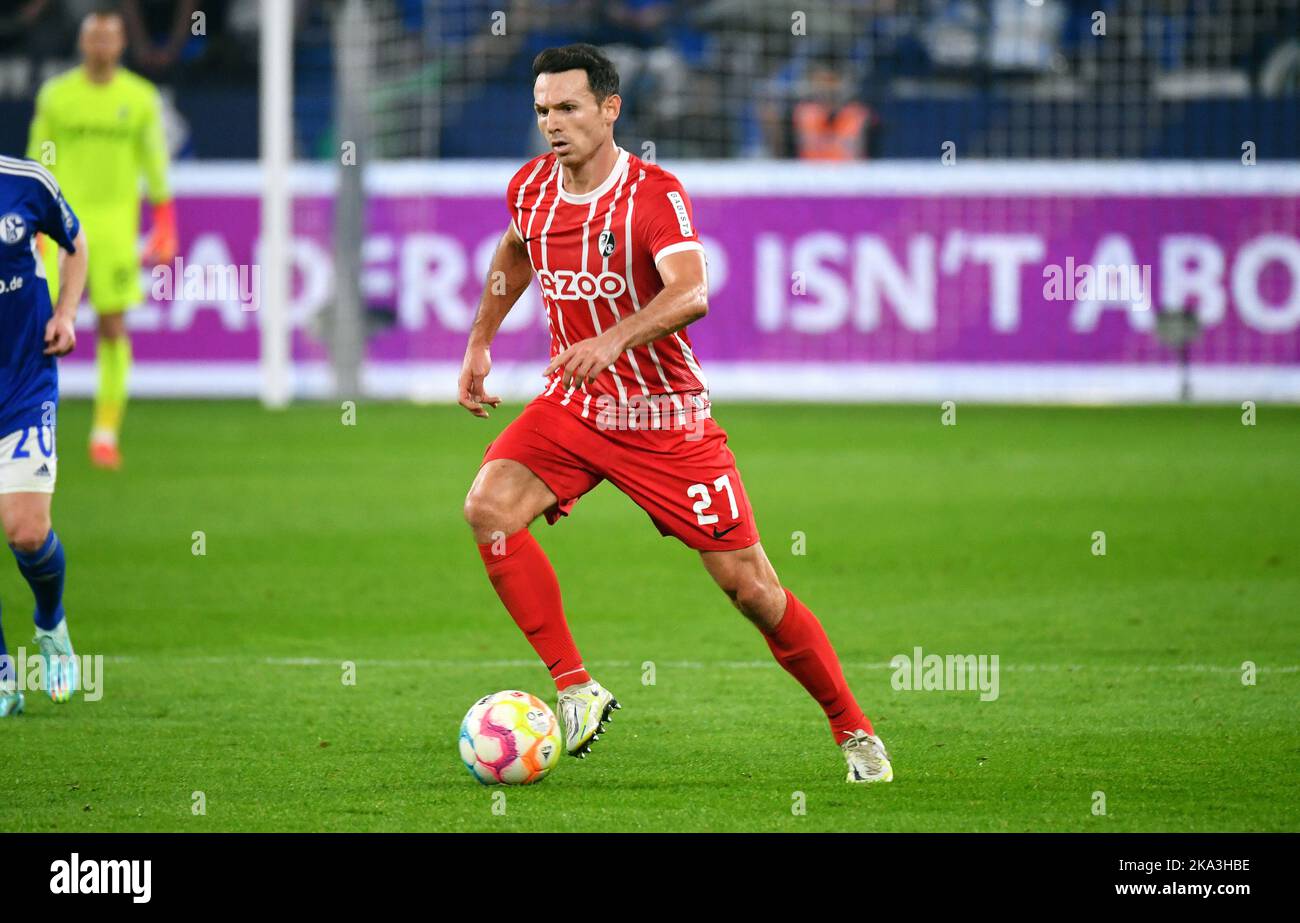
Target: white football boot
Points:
x,y
867,758
585,709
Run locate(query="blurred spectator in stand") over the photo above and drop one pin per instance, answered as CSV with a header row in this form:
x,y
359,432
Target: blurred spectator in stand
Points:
x,y
37,28
640,37
830,122
1025,38
160,35
952,33
825,120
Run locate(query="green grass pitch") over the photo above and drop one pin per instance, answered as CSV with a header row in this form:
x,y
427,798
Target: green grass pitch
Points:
x,y
327,543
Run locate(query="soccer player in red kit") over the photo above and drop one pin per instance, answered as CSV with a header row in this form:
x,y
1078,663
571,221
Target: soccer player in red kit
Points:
x,y
611,241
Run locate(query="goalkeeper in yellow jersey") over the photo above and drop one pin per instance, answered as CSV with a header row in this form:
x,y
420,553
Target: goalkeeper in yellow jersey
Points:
x,y
98,129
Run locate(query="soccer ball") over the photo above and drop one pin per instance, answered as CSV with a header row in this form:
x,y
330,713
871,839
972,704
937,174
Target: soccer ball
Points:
x,y
510,738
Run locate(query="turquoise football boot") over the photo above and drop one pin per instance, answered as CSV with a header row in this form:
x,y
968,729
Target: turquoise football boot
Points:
x,y
61,664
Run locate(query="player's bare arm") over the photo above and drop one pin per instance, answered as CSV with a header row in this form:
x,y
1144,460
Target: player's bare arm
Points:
x,y
60,334
683,300
508,276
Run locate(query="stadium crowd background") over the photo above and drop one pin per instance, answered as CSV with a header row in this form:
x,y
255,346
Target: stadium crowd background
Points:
x,y
1170,79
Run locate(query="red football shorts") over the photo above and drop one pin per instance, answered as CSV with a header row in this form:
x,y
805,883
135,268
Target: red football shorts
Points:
x,y
689,487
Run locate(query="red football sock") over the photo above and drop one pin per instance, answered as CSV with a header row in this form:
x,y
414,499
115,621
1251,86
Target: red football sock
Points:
x,y
800,645
524,579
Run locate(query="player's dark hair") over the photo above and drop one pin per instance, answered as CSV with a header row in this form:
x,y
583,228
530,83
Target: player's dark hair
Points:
x,y
601,75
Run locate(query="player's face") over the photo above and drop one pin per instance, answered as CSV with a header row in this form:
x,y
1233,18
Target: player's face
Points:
x,y
102,40
569,118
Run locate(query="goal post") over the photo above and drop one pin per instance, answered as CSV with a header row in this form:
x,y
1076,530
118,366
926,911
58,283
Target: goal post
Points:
x,y
276,110
344,325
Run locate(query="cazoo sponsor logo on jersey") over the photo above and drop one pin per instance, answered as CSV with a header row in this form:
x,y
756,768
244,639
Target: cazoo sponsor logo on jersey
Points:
x,y
566,285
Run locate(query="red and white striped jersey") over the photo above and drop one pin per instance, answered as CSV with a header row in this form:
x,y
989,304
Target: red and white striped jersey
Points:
x,y
595,257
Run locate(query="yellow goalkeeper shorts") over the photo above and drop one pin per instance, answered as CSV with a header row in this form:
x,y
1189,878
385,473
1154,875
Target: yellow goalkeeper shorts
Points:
x,y
113,276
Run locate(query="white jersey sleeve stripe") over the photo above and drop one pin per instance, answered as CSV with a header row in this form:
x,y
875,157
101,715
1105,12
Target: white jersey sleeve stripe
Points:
x,y
680,247
30,168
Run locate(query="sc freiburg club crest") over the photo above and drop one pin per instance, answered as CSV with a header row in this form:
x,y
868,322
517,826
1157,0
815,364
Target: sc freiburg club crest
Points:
x,y
606,243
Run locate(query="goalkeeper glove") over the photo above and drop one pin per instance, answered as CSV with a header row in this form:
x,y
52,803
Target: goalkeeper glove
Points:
x,y
162,244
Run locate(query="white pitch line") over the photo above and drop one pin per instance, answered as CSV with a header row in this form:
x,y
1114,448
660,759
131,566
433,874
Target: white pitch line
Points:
x,y
421,663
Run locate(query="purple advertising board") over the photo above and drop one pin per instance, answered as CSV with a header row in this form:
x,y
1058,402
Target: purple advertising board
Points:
x,y
944,276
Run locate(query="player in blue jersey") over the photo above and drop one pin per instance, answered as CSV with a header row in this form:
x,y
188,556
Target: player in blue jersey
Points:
x,y
32,335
